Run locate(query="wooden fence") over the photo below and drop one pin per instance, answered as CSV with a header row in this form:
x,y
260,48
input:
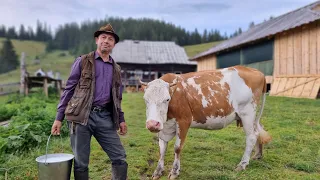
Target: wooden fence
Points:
x,y
9,88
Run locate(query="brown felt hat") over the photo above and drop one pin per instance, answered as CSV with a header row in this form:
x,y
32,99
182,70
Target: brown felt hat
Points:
x,y
107,29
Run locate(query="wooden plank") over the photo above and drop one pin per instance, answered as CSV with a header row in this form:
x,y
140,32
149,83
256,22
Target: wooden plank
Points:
x,y
198,65
205,64
10,84
298,75
291,83
269,79
282,85
289,63
214,62
283,54
313,48
276,56
297,54
274,86
297,84
315,89
45,86
298,89
318,47
308,88
305,51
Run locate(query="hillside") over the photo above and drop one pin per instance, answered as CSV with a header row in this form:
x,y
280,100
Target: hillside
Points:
x,y
57,61
31,48
61,61
193,50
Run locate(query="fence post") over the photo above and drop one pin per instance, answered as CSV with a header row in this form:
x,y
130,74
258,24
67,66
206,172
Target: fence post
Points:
x,y
22,73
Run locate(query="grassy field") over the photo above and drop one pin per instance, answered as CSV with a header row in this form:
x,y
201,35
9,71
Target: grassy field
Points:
x,y
294,152
57,61
31,48
193,50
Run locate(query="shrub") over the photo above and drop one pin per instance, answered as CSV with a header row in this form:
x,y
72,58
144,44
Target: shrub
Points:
x,y
30,126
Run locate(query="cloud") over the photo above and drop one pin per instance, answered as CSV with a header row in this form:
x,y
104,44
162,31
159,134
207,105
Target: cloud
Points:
x,y
226,16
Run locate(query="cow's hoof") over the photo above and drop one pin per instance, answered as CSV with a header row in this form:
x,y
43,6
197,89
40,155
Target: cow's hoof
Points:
x,y
257,157
156,177
239,168
172,176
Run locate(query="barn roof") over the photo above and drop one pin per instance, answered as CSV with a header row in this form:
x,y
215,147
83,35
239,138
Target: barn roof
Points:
x,y
269,28
153,52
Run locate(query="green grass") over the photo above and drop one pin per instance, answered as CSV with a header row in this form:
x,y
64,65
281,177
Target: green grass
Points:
x,y
193,50
3,99
294,152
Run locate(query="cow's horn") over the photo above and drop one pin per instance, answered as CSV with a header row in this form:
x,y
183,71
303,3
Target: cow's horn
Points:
x,y
172,84
143,83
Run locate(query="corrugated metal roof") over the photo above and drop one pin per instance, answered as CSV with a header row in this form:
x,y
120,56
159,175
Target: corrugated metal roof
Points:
x,y
276,25
153,52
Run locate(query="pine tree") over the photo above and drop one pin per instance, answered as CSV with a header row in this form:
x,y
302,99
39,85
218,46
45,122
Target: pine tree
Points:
x,y
12,34
251,25
3,31
22,33
205,36
8,57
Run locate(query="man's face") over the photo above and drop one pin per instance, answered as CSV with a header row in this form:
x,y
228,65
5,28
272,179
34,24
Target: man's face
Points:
x,y
105,43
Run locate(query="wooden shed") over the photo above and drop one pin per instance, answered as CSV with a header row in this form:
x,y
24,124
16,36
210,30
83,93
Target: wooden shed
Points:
x,y
286,49
148,60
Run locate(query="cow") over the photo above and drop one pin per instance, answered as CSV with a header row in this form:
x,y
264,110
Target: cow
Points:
x,y
207,100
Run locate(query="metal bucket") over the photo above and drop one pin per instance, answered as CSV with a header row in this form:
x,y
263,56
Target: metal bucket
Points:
x,y
54,166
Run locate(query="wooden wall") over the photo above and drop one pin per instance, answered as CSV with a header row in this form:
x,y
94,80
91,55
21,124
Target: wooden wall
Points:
x,y
207,63
297,52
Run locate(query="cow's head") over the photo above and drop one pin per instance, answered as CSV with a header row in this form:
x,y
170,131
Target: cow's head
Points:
x,y
157,98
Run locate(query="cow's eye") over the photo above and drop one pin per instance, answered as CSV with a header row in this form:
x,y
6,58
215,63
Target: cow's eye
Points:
x,y
168,100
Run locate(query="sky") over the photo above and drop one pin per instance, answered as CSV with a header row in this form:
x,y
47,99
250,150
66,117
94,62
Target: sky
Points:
x,y
224,15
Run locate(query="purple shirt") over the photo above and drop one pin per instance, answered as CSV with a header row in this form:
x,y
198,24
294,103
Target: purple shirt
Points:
x,y
102,93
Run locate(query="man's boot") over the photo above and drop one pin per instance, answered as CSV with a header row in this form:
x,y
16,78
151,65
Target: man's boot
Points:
x,y
81,175
119,171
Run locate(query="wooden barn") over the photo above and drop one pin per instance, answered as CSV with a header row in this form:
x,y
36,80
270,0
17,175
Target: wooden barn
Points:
x,y
286,49
148,60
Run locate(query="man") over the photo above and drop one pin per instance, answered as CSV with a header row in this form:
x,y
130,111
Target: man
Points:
x,y
91,102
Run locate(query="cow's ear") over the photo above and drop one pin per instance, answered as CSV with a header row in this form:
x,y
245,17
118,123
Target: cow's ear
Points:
x,y
143,88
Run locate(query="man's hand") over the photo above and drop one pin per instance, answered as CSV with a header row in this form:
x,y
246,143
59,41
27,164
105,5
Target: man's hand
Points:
x,y
55,130
123,128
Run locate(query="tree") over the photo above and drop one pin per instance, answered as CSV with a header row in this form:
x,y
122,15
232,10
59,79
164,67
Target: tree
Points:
x,y
205,36
12,34
8,57
251,25
3,31
23,35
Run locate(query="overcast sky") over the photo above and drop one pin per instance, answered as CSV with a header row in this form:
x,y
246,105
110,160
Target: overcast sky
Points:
x,y
224,15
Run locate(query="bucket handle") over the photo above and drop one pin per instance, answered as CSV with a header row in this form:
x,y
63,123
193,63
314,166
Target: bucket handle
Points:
x,y
45,162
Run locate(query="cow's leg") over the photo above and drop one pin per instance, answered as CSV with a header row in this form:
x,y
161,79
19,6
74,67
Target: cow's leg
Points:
x,y
258,151
166,135
248,119
180,139
160,168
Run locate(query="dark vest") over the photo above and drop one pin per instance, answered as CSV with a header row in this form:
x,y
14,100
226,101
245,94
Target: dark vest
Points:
x,y
79,106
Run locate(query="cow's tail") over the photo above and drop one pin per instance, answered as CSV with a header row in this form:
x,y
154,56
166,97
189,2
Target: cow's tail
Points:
x,y
264,136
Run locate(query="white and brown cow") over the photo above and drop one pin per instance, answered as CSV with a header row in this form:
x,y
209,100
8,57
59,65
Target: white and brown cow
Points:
x,y
206,100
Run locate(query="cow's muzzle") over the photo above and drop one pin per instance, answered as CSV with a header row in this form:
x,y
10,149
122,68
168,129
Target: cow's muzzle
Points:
x,y
153,126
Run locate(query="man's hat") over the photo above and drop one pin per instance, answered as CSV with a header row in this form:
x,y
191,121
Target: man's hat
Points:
x,y
107,29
